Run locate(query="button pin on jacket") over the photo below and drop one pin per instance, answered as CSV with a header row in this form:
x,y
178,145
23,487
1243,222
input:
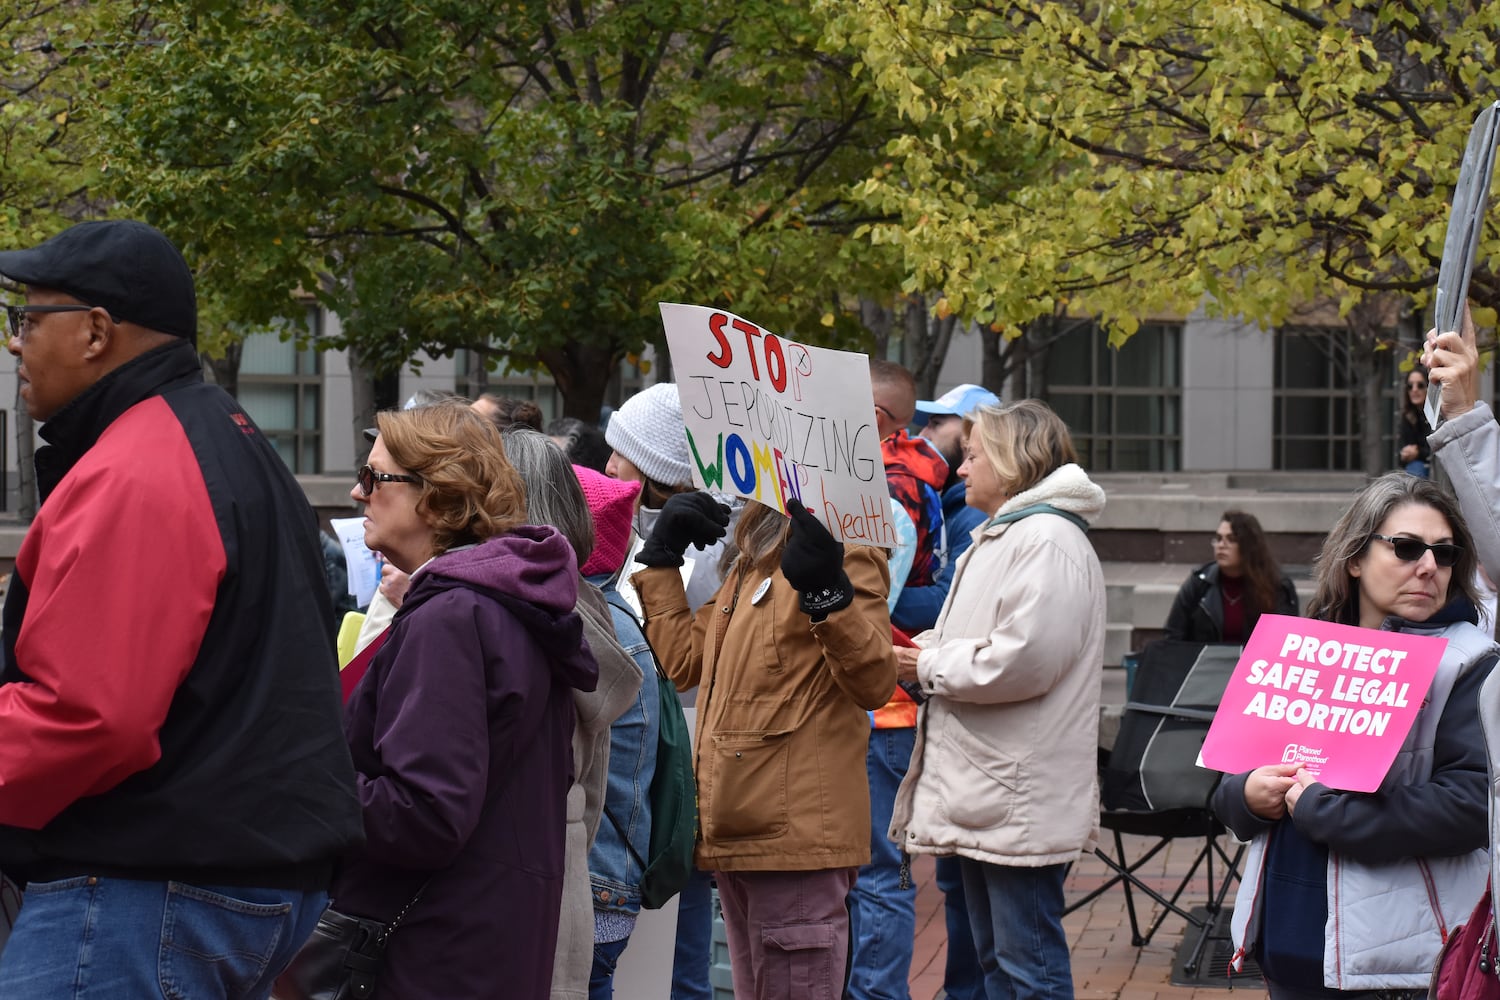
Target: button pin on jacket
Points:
x,y
760,591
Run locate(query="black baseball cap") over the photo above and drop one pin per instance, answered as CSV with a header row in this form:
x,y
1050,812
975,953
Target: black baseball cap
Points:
x,y
128,268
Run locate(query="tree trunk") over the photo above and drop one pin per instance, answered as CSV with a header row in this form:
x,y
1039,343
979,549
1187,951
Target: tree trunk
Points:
x,y
914,325
877,319
362,401
477,381
1369,410
1367,364
992,365
225,371
931,352
582,373
26,500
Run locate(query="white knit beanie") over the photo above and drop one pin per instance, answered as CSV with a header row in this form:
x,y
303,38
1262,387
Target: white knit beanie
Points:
x,y
647,430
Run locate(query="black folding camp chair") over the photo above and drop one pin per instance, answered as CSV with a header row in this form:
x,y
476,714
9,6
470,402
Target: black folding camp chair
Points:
x,y
1151,786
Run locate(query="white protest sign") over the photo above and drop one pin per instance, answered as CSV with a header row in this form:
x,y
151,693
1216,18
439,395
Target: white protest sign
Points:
x,y
771,419
363,565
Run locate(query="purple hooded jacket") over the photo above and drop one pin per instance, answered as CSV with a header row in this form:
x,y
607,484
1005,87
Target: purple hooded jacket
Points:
x,y
461,737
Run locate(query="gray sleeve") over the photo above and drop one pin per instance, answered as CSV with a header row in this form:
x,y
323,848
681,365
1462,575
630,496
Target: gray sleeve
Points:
x,y
1468,448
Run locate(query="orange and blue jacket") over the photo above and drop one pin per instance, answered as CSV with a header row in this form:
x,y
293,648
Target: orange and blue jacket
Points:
x,y
915,474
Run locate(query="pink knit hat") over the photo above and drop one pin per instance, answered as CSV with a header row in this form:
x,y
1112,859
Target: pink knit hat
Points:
x,y
612,502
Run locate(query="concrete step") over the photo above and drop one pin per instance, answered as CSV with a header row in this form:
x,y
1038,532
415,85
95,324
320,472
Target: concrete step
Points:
x,y
1117,642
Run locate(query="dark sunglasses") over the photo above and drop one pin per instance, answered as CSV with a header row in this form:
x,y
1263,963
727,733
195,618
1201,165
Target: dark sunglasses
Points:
x,y
368,479
1412,549
1416,385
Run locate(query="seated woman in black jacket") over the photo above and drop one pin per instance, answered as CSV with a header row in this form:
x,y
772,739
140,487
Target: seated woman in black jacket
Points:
x,y
1221,601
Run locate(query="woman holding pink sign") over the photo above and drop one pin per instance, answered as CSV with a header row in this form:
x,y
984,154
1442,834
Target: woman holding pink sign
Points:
x,y
1353,892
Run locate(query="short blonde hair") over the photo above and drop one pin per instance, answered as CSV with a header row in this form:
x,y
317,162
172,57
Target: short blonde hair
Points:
x,y
1025,441
469,491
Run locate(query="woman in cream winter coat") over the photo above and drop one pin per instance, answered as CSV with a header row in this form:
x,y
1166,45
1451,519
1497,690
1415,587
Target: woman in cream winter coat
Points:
x,y
1003,773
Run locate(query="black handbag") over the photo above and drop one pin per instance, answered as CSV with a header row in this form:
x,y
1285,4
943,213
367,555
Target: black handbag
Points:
x,y
341,960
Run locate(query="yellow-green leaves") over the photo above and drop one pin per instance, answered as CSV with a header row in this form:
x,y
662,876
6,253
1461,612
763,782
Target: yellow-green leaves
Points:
x,y
1263,153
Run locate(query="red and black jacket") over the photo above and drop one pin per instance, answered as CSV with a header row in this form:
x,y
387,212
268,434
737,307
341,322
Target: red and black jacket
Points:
x,y
169,700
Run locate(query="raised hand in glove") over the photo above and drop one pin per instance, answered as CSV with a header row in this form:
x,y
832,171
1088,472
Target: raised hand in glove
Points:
x,y
685,519
813,563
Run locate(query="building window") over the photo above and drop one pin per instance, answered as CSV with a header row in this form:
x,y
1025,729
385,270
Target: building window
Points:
x,y
1123,405
1314,424
281,387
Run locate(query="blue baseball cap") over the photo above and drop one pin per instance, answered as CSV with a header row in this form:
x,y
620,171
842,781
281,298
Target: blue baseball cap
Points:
x,y
960,401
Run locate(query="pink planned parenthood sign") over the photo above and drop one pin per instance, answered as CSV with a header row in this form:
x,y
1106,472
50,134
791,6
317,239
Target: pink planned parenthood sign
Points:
x,y
1336,699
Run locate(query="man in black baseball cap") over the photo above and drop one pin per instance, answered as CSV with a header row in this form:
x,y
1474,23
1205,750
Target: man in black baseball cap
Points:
x,y
170,754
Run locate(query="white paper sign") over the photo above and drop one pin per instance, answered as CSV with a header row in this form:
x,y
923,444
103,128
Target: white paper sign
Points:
x,y
770,419
364,565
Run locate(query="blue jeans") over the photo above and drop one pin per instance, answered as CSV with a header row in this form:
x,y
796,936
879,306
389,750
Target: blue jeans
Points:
x,y
1418,467
89,938
695,929
883,916
1016,917
962,978
602,978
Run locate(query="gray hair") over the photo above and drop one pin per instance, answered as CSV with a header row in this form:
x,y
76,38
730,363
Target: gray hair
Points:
x,y
432,397
553,495
1337,596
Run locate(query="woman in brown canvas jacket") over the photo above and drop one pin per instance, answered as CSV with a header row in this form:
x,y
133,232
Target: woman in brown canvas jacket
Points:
x,y
789,657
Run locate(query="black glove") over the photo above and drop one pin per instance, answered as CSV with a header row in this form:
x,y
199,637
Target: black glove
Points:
x,y
813,563
685,519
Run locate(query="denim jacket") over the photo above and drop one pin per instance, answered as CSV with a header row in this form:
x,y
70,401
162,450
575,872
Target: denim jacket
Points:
x,y
614,872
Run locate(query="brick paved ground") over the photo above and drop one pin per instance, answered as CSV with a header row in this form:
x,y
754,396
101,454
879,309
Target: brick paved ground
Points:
x,y
1105,964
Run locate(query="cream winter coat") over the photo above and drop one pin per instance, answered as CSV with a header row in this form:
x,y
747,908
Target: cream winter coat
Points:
x,y
593,713
1005,764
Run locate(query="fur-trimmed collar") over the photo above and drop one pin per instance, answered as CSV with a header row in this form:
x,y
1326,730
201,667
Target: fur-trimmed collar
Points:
x,y
1067,488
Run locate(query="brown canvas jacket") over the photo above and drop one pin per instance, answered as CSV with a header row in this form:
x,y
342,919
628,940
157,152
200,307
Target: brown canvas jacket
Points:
x,y
783,704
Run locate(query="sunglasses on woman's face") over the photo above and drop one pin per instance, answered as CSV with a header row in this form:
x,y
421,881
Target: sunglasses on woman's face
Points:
x,y
368,479
1416,385
1412,549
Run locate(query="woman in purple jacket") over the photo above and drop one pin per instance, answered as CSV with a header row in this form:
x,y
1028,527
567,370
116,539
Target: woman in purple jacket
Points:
x,y
461,729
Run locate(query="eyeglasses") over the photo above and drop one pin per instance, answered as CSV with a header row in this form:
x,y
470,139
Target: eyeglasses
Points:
x,y
1416,385
1224,540
21,324
1412,549
369,479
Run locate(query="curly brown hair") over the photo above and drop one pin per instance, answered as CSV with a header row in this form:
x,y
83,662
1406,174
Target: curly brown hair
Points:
x,y
469,491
